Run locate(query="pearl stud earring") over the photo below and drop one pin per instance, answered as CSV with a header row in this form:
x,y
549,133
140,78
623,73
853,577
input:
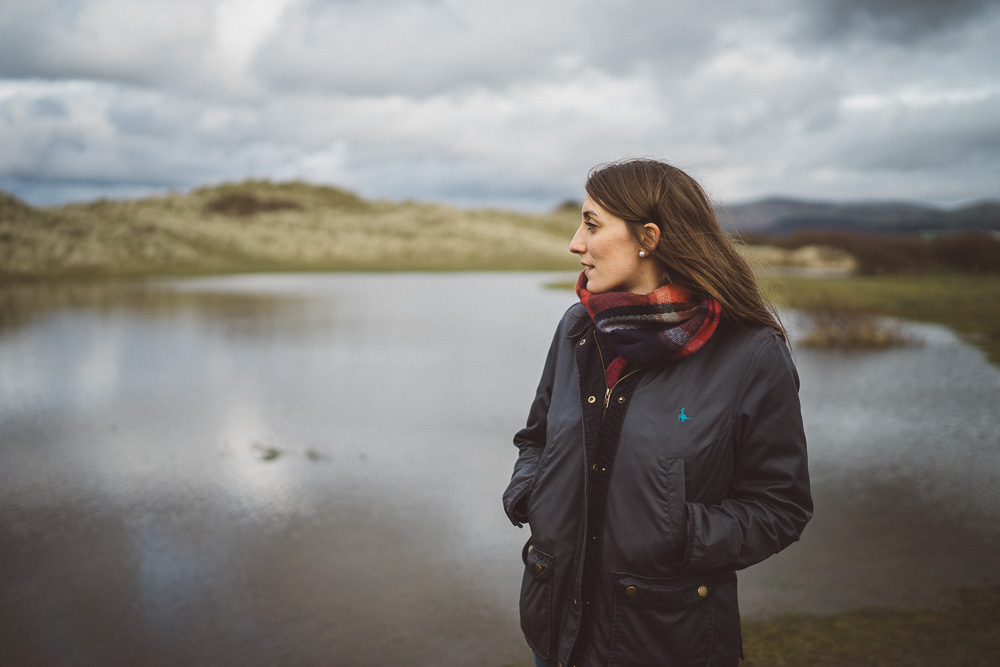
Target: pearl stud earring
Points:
x,y
642,253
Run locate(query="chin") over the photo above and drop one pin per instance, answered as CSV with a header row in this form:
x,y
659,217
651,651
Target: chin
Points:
x,y
599,288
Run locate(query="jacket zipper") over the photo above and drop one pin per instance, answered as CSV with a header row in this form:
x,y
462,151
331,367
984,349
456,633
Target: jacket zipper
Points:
x,y
608,391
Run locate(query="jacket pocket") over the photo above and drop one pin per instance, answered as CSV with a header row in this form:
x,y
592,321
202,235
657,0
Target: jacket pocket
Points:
x,y
536,599
648,513
662,621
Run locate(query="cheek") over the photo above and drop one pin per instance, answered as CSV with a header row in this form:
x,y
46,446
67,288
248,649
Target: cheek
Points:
x,y
625,259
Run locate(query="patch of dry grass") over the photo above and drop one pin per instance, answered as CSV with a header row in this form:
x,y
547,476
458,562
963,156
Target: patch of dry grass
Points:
x,y
246,204
808,256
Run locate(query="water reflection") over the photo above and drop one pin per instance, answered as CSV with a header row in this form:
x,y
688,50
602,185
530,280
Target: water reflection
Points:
x,y
140,521
237,309
905,461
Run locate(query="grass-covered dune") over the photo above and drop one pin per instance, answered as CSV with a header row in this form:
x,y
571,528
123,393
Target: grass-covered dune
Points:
x,y
261,226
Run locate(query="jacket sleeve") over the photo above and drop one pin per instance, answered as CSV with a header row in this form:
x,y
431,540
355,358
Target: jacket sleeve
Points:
x,y
530,441
770,501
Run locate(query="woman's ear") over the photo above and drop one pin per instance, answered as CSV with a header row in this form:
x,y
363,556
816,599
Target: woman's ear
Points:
x,y
650,236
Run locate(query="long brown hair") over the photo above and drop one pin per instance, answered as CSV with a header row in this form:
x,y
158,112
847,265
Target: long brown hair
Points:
x,y
695,250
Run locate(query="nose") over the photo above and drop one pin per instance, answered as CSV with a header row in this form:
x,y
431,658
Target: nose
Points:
x,y
577,246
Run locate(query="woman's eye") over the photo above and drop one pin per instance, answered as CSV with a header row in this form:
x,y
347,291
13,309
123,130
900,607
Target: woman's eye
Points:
x,y
590,225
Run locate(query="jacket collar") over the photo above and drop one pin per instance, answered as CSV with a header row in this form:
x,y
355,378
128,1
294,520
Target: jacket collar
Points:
x,y
581,325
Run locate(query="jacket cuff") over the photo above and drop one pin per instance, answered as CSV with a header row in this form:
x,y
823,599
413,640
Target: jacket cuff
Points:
x,y
513,503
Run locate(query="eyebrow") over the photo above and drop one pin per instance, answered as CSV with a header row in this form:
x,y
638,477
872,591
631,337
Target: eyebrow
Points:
x,y
589,214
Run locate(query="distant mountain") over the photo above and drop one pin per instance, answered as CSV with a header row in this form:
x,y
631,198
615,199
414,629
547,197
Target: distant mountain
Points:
x,y
780,216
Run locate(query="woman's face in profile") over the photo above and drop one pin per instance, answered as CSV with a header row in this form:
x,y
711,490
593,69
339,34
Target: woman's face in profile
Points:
x,y
609,254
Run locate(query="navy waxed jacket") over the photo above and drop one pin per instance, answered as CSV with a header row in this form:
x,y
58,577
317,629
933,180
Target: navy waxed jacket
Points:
x,y
644,499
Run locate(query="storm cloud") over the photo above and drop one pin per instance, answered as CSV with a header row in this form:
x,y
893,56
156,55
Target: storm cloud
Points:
x,y
488,103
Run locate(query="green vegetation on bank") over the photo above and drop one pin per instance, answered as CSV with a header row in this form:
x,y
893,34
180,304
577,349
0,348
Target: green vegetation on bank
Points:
x,y
950,279
964,634
967,303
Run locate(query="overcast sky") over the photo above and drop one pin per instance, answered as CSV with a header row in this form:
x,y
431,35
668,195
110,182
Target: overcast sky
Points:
x,y
503,103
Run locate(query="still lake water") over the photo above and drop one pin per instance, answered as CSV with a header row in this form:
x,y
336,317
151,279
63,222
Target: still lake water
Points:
x,y
306,470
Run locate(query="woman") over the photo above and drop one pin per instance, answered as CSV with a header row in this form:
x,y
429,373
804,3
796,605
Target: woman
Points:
x,y
664,449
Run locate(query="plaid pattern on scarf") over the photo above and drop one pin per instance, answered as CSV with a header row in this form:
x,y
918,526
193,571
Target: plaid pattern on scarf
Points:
x,y
663,325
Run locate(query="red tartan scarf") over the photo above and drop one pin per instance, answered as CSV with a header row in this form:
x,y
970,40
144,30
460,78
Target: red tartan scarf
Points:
x,y
642,329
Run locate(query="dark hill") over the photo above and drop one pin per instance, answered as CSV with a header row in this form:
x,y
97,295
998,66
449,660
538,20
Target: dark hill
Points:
x,y
780,216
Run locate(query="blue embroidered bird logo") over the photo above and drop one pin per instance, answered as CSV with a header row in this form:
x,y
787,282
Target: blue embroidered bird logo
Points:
x,y
681,417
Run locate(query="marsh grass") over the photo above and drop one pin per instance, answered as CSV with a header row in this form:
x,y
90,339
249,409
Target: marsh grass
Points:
x,y
835,322
964,633
967,303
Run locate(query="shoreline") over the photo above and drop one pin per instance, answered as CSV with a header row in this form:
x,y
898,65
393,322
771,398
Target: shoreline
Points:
x,y
962,302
